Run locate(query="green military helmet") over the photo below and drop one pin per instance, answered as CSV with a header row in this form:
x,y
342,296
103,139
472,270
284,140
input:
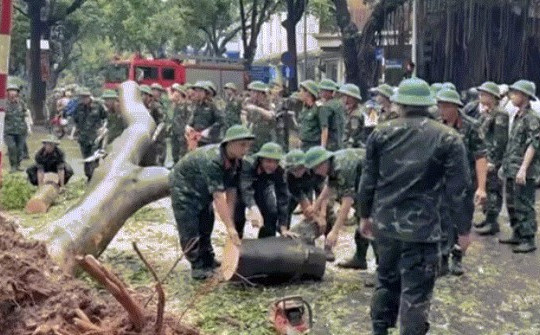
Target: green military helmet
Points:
x,y
413,92
231,86
311,87
450,96
449,85
236,133
295,96
50,139
317,155
258,86
109,94
526,87
13,87
83,91
270,150
145,89
199,84
351,90
178,88
210,87
490,88
328,85
385,90
157,86
435,88
295,158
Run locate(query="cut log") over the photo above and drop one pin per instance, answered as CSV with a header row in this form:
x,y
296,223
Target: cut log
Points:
x,y
119,187
274,259
45,195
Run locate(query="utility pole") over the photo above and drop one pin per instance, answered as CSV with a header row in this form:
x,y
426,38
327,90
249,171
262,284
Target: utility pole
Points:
x,y
305,44
414,35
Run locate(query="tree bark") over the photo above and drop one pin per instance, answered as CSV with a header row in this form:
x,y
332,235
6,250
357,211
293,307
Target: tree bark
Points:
x,y
295,10
118,189
45,195
349,35
37,86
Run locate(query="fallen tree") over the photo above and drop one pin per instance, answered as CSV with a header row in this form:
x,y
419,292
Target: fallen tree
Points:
x,y
119,187
45,195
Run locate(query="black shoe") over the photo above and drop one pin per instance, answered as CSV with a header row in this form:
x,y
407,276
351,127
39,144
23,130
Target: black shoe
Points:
x,y
369,280
456,268
488,229
353,263
201,274
444,270
525,246
514,239
330,256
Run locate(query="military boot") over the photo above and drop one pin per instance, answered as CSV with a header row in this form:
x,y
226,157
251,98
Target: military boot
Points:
x,y
443,271
525,245
456,267
514,239
488,229
201,273
358,261
330,256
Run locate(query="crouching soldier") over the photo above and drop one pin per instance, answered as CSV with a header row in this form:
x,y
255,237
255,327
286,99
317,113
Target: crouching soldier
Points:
x,y
342,171
263,198
49,159
299,183
207,174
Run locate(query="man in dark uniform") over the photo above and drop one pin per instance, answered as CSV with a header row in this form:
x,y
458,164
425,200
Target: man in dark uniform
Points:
x,y
206,120
89,117
181,114
207,175
263,196
448,102
300,184
15,127
115,121
521,168
233,105
354,123
335,111
384,93
50,158
313,119
400,205
158,151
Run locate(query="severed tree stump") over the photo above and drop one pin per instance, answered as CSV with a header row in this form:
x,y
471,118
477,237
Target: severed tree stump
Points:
x,y
119,187
45,195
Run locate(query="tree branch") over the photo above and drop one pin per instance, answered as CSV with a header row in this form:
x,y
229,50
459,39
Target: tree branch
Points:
x,y
20,10
72,8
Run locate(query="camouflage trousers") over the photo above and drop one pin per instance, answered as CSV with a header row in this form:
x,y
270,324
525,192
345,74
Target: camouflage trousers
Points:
x,y
178,147
194,220
15,144
449,228
265,199
494,196
87,150
520,201
405,279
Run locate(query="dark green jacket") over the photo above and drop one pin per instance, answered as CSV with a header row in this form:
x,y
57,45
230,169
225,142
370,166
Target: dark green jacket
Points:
x,y
312,121
494,131
14,122
300,188
354,129
89,118
345,172
336,123
233,109
412,164
207,115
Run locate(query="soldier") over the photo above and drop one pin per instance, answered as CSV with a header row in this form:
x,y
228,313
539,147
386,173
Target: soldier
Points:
x,y
263,191
468,128
399,205
335,111
313,119
206,120
180,116
115,121
233,106
205,175
299,183
341,171
89,117
157,153
384,93
15,127
50,158
159,97
494,130
355,118
521,168
260,115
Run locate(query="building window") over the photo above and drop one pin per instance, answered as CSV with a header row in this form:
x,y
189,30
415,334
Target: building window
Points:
x,y
146,72
332,70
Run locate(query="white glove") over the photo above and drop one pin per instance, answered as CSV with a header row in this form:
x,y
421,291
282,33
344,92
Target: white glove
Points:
x,y
253,215
205,132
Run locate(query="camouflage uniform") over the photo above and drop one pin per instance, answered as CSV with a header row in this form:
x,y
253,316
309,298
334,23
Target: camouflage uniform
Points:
x,y
180,116
387,115
403,196
268,192
193,181
494,130
300,189
88,119
206,115
336,119
264,130
115,125
354,129
312,121
475,148
233,110
15,130
520,199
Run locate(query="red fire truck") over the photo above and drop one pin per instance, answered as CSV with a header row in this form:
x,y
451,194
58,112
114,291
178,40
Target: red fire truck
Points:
x,y
179,70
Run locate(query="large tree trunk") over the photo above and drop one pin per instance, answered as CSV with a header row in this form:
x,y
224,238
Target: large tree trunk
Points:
x,y
37,86
119,187
349,36
45,195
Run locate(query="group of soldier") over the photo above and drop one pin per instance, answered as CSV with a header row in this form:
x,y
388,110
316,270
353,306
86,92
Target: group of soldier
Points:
x,y
412,164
